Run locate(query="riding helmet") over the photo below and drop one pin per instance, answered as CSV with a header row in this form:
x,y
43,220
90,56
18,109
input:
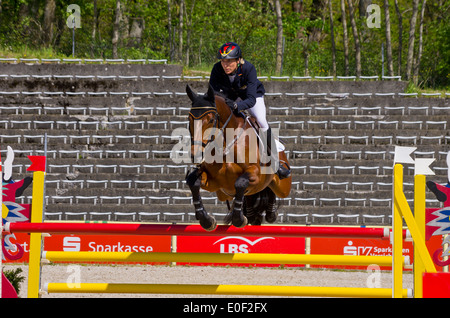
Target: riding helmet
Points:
x,y
229,50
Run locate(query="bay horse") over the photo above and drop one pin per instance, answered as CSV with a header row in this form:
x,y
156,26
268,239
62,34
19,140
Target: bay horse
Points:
x,y
250,183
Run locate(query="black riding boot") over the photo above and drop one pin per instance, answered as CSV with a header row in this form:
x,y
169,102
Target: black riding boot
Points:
x,y
282,172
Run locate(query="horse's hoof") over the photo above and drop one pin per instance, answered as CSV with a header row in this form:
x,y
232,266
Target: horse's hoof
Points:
x,y
209,224
240,222
207,221
271,217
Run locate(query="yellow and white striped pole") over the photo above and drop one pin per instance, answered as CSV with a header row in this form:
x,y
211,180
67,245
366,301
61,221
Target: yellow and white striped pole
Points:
x,y
223,290
252,258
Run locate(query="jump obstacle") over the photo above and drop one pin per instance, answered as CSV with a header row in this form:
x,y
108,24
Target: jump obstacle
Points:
x,y
401,210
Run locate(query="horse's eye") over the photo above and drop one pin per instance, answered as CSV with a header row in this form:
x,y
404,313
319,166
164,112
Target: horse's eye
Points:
x,y
211,121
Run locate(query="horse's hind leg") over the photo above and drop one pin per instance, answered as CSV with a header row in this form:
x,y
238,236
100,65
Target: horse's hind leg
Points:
x,y
206,221
271,209
238,217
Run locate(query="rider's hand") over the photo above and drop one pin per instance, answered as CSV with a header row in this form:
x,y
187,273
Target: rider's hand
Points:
x,y
232,104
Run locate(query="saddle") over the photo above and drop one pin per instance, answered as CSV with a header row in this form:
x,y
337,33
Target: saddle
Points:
x,y
256,127
253,123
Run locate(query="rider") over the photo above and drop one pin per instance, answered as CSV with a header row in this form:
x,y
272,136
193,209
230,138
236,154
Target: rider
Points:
x,y
237,80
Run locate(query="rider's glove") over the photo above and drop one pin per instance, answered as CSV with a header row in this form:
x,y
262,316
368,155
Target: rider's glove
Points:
x,y
232,104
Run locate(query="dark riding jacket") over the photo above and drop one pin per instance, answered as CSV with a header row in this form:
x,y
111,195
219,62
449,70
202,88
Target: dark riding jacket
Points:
x,y
246,85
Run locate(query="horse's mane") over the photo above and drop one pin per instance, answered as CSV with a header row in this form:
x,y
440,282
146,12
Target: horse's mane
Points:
x,y
228,101
220,94
225,98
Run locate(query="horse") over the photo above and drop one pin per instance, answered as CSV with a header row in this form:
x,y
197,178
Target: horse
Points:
x,y
253,185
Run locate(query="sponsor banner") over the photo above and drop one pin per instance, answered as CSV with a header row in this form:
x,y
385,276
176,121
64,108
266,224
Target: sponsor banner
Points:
x,y
239,244
96,243
23,239
368,247
221,244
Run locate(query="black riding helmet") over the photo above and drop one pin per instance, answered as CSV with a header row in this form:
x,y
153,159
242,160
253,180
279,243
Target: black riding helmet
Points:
x,y
229,50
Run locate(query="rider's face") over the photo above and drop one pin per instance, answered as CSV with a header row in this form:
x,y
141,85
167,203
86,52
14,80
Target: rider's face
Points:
x,y
229,65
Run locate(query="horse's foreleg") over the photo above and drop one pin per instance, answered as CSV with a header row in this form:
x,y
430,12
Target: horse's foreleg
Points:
x,y
206,221
241,184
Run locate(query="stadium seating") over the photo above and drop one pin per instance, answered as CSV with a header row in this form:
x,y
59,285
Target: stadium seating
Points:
x,y
110,141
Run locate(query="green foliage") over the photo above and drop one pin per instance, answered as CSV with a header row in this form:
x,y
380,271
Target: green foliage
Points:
x,y
15,278
209,23
436,56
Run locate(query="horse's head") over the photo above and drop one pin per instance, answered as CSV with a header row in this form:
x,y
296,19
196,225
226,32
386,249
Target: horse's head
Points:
x,y
203,116
202,105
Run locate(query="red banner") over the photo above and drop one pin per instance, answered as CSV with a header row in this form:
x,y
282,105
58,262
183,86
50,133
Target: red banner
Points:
x,y
368,247
141,243
239,244
96,243
221,244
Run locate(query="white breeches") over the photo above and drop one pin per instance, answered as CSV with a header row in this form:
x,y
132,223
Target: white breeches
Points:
x,y
259,112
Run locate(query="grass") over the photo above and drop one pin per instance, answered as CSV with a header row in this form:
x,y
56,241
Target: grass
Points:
x,y
26,52
414,89
199,70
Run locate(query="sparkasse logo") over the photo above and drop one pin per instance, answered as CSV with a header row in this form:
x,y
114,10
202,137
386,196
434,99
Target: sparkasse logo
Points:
x,y
368,250
71,244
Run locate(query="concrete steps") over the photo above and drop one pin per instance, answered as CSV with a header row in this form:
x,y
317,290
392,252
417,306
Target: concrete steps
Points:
x,y
113,142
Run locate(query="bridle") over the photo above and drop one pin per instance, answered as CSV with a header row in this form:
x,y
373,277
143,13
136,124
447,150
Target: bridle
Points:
x,y
209,109
211,137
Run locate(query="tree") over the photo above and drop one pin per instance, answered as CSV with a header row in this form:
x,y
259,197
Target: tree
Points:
x,y
116,26
356,38
49,19
400,37
317,14
419,53
345,35
95,24
387,20
333,44
190,31
278,66
363,4
180,33
171,34
136,24
314,28
412,32
363,14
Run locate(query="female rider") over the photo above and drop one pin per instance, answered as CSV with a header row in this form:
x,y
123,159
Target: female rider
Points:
x,y
237,80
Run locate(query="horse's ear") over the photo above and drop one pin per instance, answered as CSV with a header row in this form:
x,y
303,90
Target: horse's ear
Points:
x,y
211,94
192,95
